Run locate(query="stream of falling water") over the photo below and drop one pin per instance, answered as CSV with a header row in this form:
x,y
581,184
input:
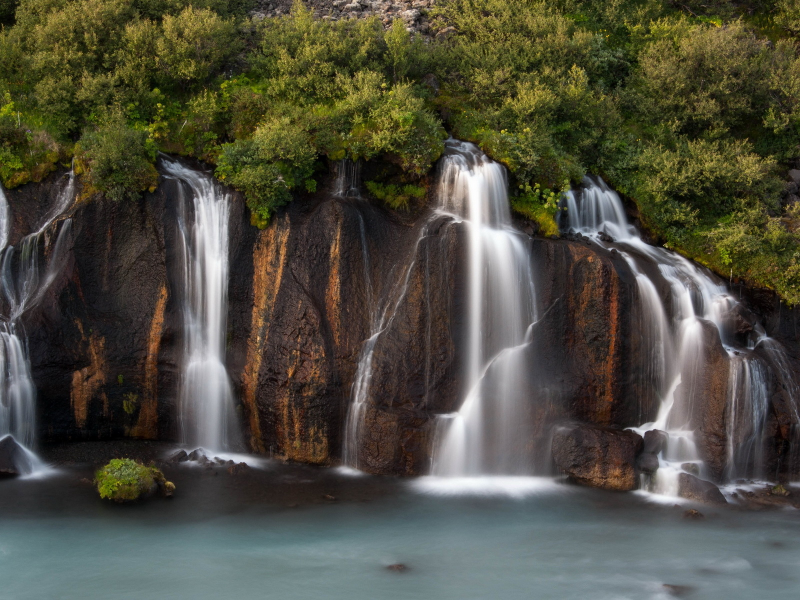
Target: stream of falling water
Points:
x,y
207,416
23,285
488,434
471,191
676,343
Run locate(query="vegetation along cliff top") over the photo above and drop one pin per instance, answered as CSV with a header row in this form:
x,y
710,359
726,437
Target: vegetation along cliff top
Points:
x,y
691,110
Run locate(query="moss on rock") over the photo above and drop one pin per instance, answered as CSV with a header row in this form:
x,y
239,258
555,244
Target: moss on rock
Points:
x,y
125,480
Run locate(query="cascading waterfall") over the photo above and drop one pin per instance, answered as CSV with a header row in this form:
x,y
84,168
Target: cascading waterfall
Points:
x,y
23,285
471,191
487,434
207,415
676,343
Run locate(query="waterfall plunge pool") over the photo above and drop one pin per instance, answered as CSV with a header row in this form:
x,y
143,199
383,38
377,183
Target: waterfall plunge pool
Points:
x,y
272,533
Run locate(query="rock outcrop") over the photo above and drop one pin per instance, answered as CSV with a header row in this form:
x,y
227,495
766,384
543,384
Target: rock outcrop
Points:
x,y
700,490
13,458
598,457
323,277
411,12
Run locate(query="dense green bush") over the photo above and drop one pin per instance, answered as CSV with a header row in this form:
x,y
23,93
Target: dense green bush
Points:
x,y
691,109
397,197
116,160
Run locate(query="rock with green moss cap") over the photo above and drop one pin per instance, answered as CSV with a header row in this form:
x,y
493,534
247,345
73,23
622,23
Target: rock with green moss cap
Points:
x,y
126,480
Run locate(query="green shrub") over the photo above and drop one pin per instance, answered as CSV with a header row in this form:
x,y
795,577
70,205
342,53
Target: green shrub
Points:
x,y
539,205
116,160
125,480
395,196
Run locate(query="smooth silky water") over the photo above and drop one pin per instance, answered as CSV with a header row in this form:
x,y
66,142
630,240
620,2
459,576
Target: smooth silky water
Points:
x,y
276,537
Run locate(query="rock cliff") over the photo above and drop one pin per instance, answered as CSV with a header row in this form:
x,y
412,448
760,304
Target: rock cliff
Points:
x,y
304,295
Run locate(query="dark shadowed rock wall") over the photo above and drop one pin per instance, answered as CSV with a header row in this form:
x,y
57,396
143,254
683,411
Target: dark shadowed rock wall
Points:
x,y
304,295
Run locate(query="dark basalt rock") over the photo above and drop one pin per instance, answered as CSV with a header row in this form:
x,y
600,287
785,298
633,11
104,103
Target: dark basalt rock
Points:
x,y
694,488
677,590
397,568
13,458
647,463
655,441
597,457
303,297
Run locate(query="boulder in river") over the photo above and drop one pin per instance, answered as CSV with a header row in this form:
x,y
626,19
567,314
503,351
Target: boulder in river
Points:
x,y
14,459
694,488
598,457
125,480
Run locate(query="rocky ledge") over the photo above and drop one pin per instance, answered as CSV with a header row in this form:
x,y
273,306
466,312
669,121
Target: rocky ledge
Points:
x,y
412,12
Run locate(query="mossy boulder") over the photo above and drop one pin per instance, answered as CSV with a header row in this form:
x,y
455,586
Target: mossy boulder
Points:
x,y
125,480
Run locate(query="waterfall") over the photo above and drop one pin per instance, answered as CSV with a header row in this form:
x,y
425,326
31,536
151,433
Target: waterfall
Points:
x,y
207,416
348,179
23,285
676,340
472,193
488,434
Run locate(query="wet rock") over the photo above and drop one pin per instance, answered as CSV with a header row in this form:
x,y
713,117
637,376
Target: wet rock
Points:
x,y
598,457
604,237
677,590
179,457
655,441
694,488
13,458
693,514
238,469
398,568
647,463
779,490
691,468
709,417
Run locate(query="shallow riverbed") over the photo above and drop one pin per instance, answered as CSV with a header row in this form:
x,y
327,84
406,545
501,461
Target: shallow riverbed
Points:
x,y
289,531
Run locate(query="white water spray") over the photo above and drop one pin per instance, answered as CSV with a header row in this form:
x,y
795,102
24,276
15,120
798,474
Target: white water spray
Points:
x,y
207,416
23,285
677,341
489,434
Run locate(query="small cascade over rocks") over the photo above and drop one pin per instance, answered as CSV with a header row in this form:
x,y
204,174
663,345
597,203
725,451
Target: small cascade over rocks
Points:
x,y
26,273
680,332
207,416
348,179
471,193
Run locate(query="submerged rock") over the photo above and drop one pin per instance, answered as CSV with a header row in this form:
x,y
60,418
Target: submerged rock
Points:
x,y
398,568
693,514
598,457
694,488
677,590
13,458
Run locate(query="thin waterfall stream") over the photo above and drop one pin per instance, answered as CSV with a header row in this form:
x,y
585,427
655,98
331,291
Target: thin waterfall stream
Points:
x,y
24,281
207,416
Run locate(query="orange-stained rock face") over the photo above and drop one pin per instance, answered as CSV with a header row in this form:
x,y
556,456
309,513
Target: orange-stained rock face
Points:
x,y
306,292
88,383
147,422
